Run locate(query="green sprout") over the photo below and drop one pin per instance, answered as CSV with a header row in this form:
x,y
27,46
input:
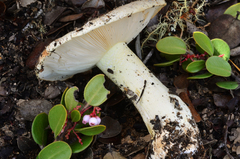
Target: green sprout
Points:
x,y
213,56
73,123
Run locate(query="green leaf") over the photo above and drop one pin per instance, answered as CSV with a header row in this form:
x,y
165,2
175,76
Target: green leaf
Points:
x,y
78,147
39,129
185,64
63,96
80,124
202,76
218,66
199,49
95,93
204,42
70,101
232,10
56,150
75,116
171,45
227,84
57,117
166,63
170,57
221,47
93,130
195,66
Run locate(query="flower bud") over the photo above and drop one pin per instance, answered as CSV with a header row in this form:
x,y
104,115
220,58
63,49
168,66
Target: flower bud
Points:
x,y
86,119
93,121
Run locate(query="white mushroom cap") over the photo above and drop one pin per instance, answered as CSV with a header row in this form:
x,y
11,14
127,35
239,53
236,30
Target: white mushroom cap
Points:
x,y
80,50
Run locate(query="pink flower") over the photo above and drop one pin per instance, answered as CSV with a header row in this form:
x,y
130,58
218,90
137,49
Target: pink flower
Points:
x,y
86,119
98,119
93,121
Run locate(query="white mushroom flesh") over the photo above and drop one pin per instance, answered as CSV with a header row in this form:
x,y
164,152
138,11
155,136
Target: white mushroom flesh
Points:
x,y
84,47
167,118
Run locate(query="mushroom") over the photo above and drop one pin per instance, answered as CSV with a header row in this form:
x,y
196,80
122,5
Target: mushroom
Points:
x,y
103,43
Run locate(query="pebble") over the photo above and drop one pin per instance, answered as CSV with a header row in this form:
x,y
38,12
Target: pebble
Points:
x,y
51,92
113,155
29,109
3,92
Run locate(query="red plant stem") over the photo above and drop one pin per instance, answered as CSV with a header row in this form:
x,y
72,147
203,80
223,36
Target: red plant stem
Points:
x,y
77,107
64,126
69,130
93,114
79,139
72,129
85,108
188,56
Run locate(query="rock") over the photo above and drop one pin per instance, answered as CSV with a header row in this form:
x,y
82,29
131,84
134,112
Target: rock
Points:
x,y
3,91
113,155
24,3
7,129
29,109
51,92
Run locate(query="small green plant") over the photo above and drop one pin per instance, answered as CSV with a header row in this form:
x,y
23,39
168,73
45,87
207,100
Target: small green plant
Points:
x,y
72,123
213,55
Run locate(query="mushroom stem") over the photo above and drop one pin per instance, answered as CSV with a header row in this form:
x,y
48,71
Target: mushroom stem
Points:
x,y
168,119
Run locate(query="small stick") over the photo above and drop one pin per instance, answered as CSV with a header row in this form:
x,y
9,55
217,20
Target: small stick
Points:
x,y
235,65
194,3
144,86
148,56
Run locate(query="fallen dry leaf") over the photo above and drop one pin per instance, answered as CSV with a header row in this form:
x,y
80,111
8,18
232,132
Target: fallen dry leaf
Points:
x,y
226,27
186,99
53,15
93,4
181,81
215,11
33,57
221,100
113,127
71,17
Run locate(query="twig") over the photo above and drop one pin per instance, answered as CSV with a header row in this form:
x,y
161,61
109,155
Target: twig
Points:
x,y
138,47
149,55
235,65
195,2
